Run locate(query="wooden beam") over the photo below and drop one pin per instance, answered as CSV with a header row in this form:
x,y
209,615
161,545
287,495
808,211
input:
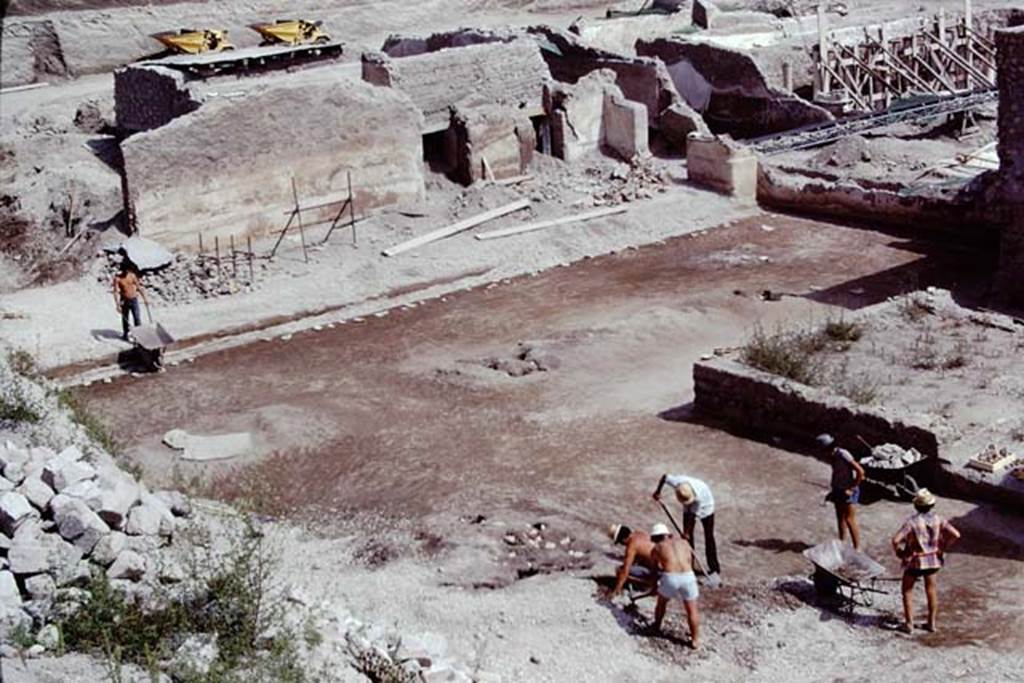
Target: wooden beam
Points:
x,y
454,228
540,225
849,91
962,63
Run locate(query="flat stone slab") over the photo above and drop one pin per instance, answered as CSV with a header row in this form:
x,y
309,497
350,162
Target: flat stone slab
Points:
x,y
197,447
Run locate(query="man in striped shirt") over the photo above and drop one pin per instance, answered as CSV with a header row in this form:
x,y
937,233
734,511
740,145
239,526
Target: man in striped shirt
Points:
x,y
920,544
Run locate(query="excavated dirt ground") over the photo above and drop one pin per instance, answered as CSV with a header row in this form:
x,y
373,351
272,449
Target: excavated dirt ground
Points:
x,y
393,435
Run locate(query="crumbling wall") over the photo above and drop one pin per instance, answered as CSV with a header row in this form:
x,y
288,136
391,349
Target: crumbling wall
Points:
x,y
147,97
1010,64
197,174
641,80
408,46
502,136
30,52
722,165
510,74
625,126
730,88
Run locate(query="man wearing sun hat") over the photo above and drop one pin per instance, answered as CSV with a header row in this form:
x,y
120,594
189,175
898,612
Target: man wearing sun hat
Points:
x,y
920,544
676,580
637,566
698,503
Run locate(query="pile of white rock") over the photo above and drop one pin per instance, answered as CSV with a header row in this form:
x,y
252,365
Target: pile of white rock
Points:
x,y
891,456
63,517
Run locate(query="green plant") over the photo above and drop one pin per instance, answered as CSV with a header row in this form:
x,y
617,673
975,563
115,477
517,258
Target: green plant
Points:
x,y
22,363
789,354
843,331
15,407
92,425
226,596
21,637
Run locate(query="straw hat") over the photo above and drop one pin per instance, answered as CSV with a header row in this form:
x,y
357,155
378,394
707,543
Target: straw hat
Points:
x,y
685,494
924,499
659,529
613,531
825,440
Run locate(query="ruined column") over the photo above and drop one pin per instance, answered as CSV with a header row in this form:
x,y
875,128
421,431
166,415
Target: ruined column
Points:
x,y
1010,64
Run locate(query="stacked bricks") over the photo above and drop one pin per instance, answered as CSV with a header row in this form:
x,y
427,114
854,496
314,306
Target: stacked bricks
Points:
x,y
147,97
1010,63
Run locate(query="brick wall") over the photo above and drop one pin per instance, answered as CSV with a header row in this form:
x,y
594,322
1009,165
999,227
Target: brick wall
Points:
x,y
510,74
147,97
1010,63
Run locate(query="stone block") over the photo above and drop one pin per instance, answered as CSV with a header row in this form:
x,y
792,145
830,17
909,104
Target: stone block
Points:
x,y
129,565
15,472
577,114
722,166
14,509
676,123
36,491
144,520
703,13
177,502
11,454
108,548
38,552
61,475
77,523
10,596
625,126
40,587
498,134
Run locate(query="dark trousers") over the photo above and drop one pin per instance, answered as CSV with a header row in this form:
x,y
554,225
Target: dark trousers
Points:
x,y
710,546
130,306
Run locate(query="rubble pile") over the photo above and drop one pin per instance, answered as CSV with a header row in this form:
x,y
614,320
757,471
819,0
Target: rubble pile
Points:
x,y
891,456
529,358
62,518
192,277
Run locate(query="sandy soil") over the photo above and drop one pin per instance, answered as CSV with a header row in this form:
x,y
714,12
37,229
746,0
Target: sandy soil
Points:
x,y
390,438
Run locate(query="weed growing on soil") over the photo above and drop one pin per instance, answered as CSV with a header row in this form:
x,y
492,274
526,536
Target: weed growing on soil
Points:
x,y
22,363
378,666
958,357
227,597
843,331
93,426
789,354
913,309
923,354
15,407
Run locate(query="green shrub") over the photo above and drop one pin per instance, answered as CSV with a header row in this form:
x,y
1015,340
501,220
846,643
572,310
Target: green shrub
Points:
x,y
787,354
15,407
93,426
843,331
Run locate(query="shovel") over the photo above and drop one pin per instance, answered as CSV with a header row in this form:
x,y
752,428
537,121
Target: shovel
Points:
x,y
693,552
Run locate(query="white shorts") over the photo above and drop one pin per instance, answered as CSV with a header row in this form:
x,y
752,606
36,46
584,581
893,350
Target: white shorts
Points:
x,y
678,585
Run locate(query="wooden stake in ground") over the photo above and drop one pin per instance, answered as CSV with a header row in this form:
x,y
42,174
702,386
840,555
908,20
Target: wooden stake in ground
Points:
x,y
454,228
298,212
248,246
216,252
540,225
234,263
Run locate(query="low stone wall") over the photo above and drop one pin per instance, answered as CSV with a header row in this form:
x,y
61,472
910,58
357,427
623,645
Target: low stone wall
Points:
x,y
722,166
965,215
500,135
754,400
197,175
30,52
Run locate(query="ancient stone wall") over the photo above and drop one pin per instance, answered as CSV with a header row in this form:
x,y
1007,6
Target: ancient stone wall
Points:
x,y
510,74
625,127
198,175
757,401
496,134
147,97
1010,64
722,165
577,114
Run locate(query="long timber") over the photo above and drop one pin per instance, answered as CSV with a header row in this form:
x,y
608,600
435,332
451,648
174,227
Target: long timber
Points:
x,y
821,134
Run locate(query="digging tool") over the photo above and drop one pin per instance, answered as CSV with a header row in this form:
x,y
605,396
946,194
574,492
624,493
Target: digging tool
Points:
x,y
693,551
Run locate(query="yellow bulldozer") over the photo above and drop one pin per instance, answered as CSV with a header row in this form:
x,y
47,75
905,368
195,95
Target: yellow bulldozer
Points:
x,y
291,32
195,41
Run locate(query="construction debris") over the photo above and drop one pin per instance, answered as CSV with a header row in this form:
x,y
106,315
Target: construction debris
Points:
x,y
456,228
540,225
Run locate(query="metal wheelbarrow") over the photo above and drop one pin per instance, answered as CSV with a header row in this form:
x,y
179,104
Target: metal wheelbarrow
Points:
x,y
150,341
844,574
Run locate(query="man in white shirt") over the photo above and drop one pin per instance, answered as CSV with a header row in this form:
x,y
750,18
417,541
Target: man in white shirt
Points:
x,y
698,503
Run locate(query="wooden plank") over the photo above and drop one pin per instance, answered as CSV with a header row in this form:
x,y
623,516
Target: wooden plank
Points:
x,y
454,228
540,225
514,180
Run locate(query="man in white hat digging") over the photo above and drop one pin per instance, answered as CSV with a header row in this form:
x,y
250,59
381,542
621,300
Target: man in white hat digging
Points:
x,y
698,503
920,544
638,565
676,581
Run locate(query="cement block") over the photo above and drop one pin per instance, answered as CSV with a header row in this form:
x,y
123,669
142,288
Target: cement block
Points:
x,y
722,166
625,127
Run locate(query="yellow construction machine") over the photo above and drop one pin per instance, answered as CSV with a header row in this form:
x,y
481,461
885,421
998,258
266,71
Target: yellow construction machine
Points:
x,y
291,32
195,41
